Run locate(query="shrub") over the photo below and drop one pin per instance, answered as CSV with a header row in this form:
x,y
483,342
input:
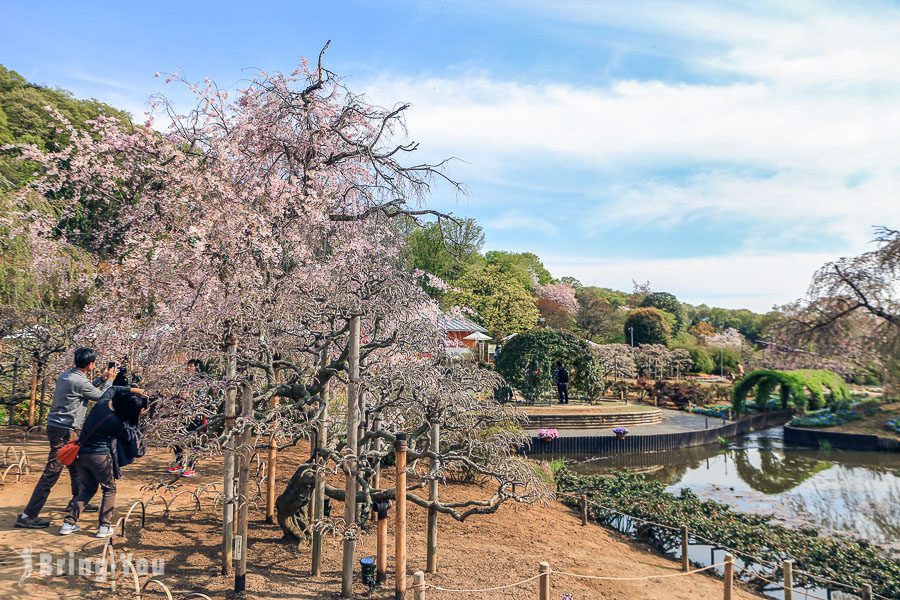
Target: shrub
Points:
x,y
682,394
527,362
650,326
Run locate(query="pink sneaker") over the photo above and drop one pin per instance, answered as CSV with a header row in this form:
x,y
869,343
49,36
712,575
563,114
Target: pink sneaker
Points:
x,y
189,473
175,469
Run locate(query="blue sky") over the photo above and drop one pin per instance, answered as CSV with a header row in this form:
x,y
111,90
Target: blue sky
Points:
x,y
721,151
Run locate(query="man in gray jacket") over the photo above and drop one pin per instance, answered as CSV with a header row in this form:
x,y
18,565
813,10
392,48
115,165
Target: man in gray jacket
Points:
x,y
70,399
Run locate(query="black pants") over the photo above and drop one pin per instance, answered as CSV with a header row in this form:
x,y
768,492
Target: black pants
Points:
x,y
562,391
58,438
96,470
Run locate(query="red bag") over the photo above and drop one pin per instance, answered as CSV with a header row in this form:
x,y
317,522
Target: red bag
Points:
x,y
68,453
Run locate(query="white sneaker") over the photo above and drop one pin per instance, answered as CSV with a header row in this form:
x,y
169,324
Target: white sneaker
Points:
x,y
69,528
105,531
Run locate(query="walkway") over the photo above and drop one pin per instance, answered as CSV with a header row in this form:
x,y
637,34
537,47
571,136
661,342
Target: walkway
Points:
x,y
674,421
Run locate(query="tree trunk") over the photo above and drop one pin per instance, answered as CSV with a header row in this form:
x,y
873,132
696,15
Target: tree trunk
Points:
x,y
290,507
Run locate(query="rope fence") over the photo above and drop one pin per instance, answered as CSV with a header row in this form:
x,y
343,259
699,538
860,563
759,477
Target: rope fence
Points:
x,y
786,567
545,573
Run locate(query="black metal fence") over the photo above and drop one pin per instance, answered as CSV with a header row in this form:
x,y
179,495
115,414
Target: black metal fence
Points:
x,y
659,442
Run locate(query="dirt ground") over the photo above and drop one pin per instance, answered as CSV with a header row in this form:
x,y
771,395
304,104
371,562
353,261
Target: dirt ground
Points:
x,y
479,553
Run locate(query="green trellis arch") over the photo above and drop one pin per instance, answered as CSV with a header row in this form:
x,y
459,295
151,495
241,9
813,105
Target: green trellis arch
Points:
x,y
801,389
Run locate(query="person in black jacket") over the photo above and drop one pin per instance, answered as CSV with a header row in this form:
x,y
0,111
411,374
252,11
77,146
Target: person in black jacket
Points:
x,y
561,376
110,439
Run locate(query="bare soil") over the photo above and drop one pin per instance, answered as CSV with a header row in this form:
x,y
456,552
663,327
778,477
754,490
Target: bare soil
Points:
x,y
480,553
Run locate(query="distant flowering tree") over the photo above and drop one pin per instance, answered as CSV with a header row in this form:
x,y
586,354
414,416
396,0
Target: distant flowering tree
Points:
x,y
560,294
251,233
730,339
616,361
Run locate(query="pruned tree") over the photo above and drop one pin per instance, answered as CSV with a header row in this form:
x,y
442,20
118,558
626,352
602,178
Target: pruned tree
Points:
x,y
616,361
852,308
252,233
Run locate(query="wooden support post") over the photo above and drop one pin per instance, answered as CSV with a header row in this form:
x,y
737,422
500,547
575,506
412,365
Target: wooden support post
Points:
x,y
787,568
228,456
729,576
319,492
584,510
272,465
419,585
351,466
243,495
400,519
33,397
431,562
866,592
685,550
544,581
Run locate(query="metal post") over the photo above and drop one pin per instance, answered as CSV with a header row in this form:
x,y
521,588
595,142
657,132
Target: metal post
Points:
x,y
544,581
787,568
351,467
729,576
400,519
33,397
381,526
431,561
11,418
685,550
243,496
228,456
419,585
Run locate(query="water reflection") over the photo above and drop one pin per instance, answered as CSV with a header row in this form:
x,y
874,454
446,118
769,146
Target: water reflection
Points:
x,y
852,493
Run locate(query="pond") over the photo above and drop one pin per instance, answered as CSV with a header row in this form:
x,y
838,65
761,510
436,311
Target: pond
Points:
x,y
836,492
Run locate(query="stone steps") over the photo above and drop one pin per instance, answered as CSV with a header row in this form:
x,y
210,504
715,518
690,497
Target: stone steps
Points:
x,y
595,421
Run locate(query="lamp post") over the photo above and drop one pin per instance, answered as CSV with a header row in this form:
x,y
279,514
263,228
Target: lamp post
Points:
x,y
631,332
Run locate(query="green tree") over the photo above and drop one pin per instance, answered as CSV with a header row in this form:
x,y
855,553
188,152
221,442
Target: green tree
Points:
x,y
649,325
526,267
503,306
444,248
597,317
669,303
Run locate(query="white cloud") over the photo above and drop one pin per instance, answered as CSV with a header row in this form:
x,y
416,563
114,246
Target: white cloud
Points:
x,y
802,136
514,220
754,281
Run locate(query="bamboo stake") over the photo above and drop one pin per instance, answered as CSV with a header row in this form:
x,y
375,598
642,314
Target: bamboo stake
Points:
x,y
319,493
272,464
243,497
228,457
352,449
544,581
400,519
431,562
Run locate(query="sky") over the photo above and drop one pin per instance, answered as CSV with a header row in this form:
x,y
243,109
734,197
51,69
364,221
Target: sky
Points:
x,y
721,151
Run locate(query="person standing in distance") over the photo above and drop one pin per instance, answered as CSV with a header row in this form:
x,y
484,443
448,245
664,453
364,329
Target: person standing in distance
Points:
x,y
561,376
70,399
